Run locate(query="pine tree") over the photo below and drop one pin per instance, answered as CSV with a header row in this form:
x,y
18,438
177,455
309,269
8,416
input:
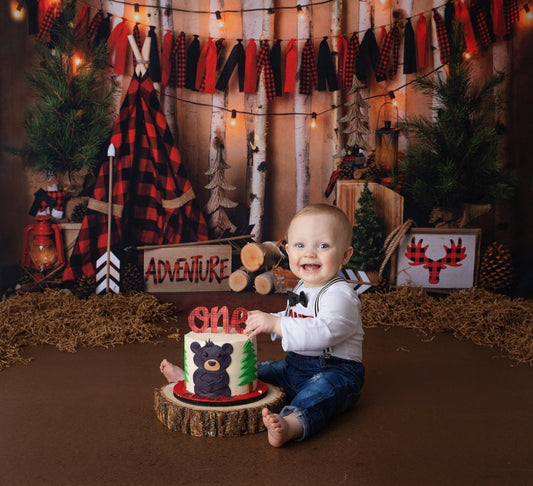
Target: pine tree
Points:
x,y
367,240
453,158
218,203
69,125
249,370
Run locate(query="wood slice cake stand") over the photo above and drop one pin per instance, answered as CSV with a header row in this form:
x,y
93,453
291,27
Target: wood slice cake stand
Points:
x,y
215,421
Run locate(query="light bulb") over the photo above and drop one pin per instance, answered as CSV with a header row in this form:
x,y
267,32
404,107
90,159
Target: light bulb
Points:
x,y
300,12
220,21
233,118
313,120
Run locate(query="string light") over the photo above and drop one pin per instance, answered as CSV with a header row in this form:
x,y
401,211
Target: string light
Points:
x,y
220,21
529,13
313,120
16,10
300,12
136,14
233,118
393,98
467,55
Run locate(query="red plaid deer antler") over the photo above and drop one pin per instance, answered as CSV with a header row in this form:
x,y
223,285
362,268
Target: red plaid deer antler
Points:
x,y
455,253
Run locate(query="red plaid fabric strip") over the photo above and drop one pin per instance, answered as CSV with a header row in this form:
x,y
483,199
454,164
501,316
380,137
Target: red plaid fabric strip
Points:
x,y
342,47
166,58
308,70
95,23
442,37
264,65
479,23
118,40
392,42
179,62
352,54
511,12
50,18
463,15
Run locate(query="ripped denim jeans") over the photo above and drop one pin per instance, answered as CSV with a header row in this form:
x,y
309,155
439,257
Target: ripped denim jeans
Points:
x,y
317,387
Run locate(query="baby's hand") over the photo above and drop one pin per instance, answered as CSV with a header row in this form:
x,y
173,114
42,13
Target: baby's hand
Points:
x,y
259,322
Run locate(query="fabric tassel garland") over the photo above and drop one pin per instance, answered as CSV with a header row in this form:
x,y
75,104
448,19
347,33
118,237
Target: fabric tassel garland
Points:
x,y
409,49
350,61
104,30
308,69
81,26
442,37
154,66
479,23
392,43
326,68
275,62
95,24
118,40
422,54
236,59
342,47
250,67
291,58
449,16
498,18
206,68
166,58
178,62
264,66
193,54
368,56
32,8
462,15
511,12
45,30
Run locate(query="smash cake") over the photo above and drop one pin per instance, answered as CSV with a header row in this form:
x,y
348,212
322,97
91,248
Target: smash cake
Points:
x,y
220,366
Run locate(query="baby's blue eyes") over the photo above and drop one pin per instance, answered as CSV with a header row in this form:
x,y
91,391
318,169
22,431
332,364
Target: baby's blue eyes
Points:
x,y
321,246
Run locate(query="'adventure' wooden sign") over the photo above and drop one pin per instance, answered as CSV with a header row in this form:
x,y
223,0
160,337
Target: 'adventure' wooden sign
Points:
x,y
188,268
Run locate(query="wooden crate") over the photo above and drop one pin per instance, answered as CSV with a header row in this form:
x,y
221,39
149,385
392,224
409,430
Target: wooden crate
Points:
x,y
187,269
389,204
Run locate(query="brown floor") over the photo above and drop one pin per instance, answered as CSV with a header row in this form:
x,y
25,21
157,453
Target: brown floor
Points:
x,y
439,413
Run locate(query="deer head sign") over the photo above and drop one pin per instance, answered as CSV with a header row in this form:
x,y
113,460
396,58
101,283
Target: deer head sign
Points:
x,y
453,255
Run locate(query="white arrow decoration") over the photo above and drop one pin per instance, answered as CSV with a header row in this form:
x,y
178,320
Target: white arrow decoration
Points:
x,y
108,265
359,278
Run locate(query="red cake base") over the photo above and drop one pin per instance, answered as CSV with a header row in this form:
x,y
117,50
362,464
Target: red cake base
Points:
x,y
181,393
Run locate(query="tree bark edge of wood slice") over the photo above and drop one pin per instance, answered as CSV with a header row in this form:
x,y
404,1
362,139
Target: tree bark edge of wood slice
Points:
x,y
204,421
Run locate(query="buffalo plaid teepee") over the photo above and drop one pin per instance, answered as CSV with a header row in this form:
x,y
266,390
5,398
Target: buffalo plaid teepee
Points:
x,y
153,200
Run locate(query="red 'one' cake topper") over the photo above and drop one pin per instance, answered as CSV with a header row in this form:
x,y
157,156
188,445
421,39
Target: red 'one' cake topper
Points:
x,y
209,319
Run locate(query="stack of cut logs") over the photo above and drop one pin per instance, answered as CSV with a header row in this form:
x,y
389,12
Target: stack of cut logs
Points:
x,y
258,260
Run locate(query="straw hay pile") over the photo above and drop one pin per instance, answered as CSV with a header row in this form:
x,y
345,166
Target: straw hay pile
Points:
x,y
68,323
485,318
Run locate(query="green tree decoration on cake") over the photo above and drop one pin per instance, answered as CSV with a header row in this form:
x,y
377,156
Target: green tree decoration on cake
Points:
x,y
367,239
248,364
453,158
69,125
185,368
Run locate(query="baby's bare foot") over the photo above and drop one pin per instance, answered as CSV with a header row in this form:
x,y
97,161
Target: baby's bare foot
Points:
x,y
281,429
171,372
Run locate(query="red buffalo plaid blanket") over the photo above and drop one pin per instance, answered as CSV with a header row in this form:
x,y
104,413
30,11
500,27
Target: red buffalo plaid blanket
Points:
x,y
153,200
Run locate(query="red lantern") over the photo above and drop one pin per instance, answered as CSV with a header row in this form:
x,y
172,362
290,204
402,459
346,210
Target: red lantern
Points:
x,y
43,246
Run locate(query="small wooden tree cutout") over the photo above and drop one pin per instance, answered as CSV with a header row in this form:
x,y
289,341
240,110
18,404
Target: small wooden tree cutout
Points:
x,y
218,203
356,118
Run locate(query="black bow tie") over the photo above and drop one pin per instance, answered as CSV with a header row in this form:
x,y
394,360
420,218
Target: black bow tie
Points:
x,y
296,299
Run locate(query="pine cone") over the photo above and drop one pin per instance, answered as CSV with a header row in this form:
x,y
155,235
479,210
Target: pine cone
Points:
x,y
84,286
131,278
496,269
78,213
345,172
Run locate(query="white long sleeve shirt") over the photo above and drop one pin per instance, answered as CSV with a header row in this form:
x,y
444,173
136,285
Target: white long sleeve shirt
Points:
x,y
336,328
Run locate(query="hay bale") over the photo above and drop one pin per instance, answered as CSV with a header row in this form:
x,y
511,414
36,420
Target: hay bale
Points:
x,y
67,322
